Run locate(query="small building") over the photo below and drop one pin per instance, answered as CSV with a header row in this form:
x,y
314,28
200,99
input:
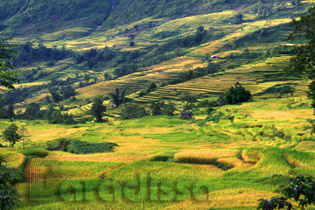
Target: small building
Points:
x,y
214,57
114,106
186,115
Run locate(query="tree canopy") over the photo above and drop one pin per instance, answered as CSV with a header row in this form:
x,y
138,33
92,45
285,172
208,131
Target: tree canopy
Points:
x,y
304,61
235,95
98,108
11,135
7,75
9,198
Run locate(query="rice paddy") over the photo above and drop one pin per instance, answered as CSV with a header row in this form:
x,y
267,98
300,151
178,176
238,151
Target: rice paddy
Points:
x,y
174,159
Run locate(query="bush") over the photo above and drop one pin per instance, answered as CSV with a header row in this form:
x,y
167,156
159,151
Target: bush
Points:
x,y
235,95
162,158
37,152
132,112
9,198
161,108
80,147
300,187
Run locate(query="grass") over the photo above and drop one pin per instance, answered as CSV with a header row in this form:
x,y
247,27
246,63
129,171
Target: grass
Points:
x,y
236,158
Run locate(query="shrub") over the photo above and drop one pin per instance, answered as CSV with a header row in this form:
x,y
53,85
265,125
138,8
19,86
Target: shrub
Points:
x,y
37,152
300,187
235,95
80,147
9,197
162,108
162,158
132,112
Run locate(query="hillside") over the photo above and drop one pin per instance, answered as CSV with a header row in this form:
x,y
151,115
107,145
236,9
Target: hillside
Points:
x,y
24,17
75,57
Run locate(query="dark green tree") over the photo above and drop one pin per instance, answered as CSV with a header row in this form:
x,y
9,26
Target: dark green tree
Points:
x,y
300,188
118,98
162,108
156,108
131,111
32,111
287,90
11,135
57,117
169,108
10,111
296,2
98,108
304,61
24,133
55,95
7,75
67,91
189,100
9,198
235,95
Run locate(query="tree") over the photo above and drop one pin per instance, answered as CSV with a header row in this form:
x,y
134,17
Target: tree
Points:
x,y
300,187
118,98
10,111
189,100
98,108
7,75
296,2
234,95
11,135
57,117
162,108
304,61
287,90
67,91
9,198
24,134
156,108
32,111
54,94
132,111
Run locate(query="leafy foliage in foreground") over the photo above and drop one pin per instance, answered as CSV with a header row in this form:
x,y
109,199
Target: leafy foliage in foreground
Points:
x,y
9,198
304,61
7,75
301,188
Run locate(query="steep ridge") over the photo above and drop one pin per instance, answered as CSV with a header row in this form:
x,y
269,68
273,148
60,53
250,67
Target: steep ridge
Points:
x,y
22,17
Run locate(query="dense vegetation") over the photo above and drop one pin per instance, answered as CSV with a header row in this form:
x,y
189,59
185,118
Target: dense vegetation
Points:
x,y
8,177
31,16
79,147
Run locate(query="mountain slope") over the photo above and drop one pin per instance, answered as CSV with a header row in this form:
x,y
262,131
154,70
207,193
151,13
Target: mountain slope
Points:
x,y
22,17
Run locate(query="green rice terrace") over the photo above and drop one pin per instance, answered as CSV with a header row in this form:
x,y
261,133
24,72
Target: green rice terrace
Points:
x,y
155,104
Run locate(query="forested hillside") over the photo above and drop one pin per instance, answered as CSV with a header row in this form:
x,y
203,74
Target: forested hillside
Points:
x,y
24,17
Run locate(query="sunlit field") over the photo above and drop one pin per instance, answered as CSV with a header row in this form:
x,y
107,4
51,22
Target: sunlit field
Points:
x,y
235,159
